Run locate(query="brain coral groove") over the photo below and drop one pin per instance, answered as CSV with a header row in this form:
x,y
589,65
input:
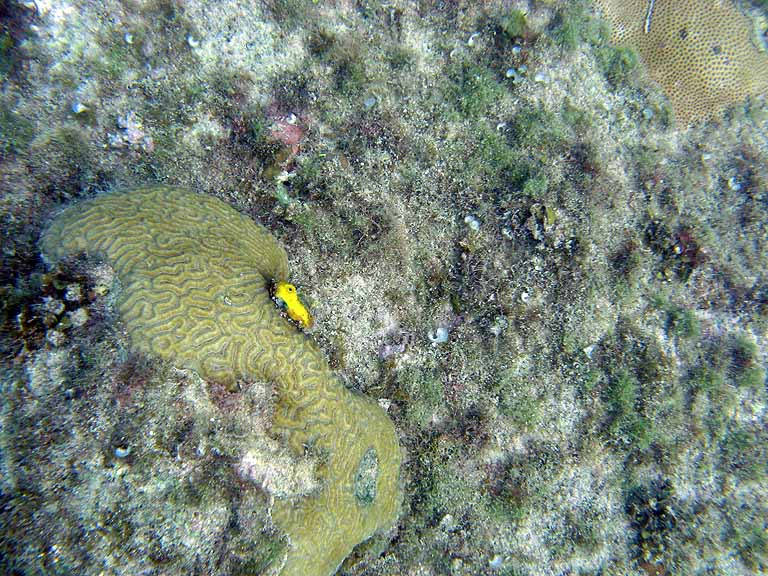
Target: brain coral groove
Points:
x,y
196,276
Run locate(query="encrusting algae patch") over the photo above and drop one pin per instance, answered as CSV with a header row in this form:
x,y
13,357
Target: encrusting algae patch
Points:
x,y
196,276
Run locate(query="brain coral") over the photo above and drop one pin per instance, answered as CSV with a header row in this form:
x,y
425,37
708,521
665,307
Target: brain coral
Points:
x,y
196,277
699,51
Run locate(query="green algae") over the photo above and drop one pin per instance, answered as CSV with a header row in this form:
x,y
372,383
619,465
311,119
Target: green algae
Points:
x,y
196,276
513,24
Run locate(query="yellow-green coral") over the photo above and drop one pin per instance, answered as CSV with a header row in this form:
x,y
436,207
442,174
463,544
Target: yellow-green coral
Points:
x,y
196,276
699,51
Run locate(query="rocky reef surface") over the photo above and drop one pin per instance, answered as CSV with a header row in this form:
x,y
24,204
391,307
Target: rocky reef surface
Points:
x,y
534,260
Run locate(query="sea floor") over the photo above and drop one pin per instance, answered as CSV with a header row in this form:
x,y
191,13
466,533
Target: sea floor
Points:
x,y
544,265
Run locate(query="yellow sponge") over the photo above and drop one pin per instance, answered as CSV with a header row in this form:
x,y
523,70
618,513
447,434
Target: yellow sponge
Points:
x,y
700,51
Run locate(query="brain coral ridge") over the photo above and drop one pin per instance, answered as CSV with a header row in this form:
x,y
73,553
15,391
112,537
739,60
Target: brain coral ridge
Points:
x,y
196,276
700,52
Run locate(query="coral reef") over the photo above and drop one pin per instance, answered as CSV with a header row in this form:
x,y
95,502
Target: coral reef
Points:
x,y
555,294
196,277
701,53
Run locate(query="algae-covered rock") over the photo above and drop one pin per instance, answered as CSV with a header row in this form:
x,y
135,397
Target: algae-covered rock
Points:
x,y
196,277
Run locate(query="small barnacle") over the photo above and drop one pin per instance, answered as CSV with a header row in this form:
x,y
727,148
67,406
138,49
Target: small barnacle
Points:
x,y
471,221
122,452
